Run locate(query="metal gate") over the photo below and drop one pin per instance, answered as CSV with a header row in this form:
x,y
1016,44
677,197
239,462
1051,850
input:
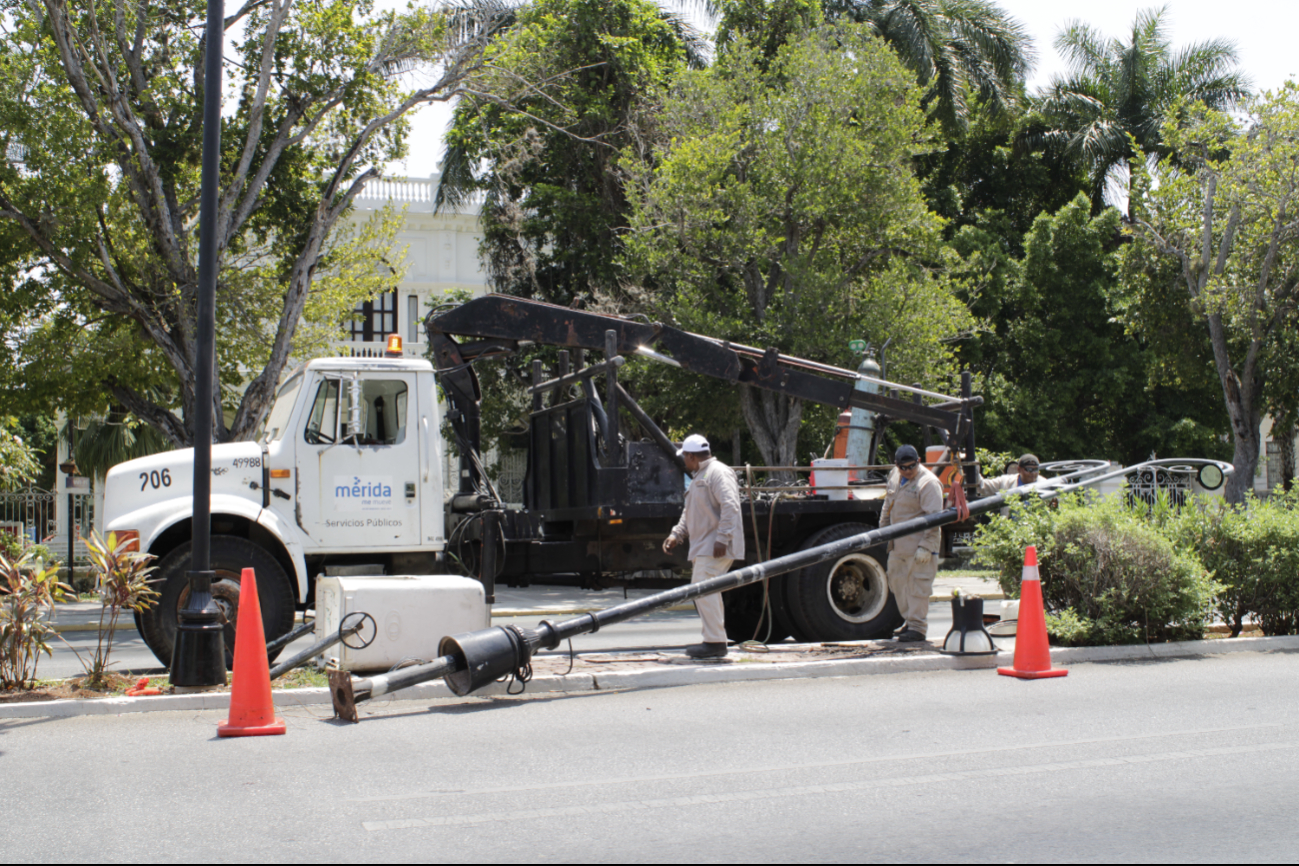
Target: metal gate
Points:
x,y
32,514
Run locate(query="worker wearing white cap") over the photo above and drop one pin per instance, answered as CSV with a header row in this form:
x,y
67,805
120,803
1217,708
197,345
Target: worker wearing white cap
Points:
x,y
711,520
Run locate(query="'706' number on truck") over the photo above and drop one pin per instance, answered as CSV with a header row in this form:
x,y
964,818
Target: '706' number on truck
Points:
x,y
155,479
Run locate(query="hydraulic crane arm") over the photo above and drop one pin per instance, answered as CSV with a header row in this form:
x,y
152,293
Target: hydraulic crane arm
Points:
x,y
499,323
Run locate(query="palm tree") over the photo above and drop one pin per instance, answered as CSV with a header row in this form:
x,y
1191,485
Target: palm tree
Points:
x,y
1117,92
105,442
957,49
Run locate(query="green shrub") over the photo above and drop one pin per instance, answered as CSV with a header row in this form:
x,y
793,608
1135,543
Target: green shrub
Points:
x,y
1109,574
27,595
1253,552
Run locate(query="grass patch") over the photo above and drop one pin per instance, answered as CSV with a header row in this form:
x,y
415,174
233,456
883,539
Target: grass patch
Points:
x,y
301,678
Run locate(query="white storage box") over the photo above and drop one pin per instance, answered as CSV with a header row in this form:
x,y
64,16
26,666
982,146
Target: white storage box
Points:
x,y
412,614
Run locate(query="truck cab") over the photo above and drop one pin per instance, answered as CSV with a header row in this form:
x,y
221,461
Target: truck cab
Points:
x,y
348,473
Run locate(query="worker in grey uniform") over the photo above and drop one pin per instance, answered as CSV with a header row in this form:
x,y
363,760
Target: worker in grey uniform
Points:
x,y
711,520
1027,474
912,491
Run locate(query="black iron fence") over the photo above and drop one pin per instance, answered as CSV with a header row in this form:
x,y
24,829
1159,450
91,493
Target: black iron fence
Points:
x,y
33,514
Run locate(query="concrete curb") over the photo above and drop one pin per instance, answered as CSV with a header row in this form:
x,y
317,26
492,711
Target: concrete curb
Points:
x,y
668,675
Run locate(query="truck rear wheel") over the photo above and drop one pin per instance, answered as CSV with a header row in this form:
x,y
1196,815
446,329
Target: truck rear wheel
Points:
x,y
843,599
230,555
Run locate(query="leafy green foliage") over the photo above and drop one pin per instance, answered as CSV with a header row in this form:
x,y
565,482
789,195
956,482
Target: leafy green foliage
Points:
x,y
105,442
565,92
960,51
1109,574
98,220
1216,218
986,177
784,213
1061,375
28,591
122,582
1253,551
18,465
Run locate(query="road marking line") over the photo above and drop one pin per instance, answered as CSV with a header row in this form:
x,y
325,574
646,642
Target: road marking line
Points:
x,y
781,768
873,785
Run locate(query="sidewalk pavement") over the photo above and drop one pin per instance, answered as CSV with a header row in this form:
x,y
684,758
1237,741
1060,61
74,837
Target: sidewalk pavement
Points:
x,y
536,601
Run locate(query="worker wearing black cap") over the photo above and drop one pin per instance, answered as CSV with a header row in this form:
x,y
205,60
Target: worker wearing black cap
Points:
x,y
912,491
1027,474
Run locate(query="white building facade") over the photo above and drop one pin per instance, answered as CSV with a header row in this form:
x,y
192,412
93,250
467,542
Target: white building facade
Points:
x,y
441,257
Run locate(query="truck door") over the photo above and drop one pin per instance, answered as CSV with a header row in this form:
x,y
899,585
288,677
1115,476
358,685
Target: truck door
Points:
x,y
361,445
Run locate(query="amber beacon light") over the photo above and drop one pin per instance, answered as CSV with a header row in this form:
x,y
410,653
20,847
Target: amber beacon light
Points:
x,y
394,346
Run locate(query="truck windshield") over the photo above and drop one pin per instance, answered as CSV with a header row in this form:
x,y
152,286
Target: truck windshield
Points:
x,y
277,422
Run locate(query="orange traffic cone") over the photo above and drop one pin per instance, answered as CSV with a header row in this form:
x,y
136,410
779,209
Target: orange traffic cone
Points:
x,y
251,712
1032,654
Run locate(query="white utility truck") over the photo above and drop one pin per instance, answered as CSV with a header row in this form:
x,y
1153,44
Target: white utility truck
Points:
x,y
347,480
349,473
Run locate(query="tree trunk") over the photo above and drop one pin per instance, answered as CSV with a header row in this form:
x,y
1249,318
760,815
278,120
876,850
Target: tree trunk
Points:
x,y
1241,394
773,420
1245,459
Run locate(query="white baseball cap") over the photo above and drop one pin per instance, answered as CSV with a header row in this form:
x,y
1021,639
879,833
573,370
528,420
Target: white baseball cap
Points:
x,y
694,444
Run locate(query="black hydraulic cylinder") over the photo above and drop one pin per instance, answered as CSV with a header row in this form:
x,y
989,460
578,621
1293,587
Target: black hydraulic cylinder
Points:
x,y
650,427
567,379
613,451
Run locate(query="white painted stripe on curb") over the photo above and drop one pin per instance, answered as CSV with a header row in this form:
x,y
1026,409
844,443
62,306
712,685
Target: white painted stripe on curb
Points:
x,y
670,675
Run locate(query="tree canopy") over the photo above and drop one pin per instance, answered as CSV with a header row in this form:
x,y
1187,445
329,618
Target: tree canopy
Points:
x,y
1060,373
962,52
542,134
1225,213
784,212
100,107
18,464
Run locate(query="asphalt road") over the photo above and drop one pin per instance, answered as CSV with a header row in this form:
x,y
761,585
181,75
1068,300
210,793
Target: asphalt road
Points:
x,y
655,631
1186,760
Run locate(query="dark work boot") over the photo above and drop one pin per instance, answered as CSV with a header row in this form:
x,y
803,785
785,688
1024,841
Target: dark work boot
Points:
x,y
910,636
706,651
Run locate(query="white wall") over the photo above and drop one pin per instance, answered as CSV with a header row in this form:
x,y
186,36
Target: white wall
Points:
x,y
441,248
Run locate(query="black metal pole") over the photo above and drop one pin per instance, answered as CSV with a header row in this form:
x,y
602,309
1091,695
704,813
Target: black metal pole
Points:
x,y
312,651
72,526
198,657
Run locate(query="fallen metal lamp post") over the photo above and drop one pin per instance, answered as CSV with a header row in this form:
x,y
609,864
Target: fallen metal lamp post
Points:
x,y
475,659
352,624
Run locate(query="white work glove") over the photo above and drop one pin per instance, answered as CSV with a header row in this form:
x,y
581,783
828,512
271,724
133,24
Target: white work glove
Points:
x,y
922,555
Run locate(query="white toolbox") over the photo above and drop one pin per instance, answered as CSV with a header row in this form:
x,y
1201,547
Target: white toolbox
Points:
x,y
412,613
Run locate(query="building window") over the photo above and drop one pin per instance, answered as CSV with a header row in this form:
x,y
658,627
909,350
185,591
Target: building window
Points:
x,y
374,320
412,318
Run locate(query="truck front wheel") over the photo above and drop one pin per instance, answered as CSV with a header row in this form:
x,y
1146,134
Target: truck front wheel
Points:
x,y
230,555
841,599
